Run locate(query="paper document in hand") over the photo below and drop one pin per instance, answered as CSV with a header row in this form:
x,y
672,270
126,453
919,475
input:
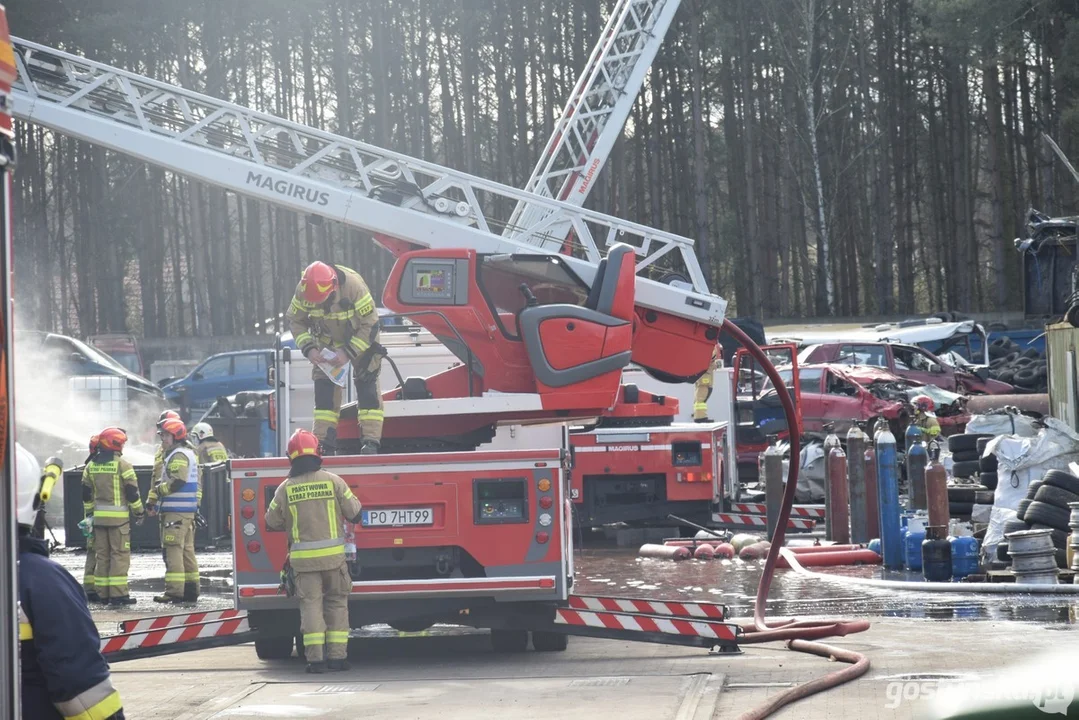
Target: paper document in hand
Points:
x,y
335,364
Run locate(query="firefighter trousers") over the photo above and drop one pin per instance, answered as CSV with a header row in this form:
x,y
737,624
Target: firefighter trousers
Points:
x,y
701,392
112,547
324,612
328,403
178,546
89,582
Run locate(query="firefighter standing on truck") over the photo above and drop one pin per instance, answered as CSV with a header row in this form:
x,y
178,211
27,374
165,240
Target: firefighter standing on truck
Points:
x,y
88,580
209,449
176,496
312,505
110,495
702,389
63,674
333,309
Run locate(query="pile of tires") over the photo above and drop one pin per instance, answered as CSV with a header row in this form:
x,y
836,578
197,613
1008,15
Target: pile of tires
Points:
x,y
968,464
1046,508
1026,369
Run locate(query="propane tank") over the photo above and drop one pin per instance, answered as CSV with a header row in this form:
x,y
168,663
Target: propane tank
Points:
x,y
888,501
936,488
773,483
917,459
859,502
831,440
936,554
837,507
872,511
913,535
965,550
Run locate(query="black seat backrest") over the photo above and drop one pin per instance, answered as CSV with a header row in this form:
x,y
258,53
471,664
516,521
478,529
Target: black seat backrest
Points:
x,y
597,285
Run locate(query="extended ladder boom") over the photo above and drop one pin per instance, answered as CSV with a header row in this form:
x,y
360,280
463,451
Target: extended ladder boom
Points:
x,y
594,115
316,172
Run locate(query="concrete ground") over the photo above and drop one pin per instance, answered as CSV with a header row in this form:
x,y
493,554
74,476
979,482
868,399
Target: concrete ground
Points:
x,y
458,677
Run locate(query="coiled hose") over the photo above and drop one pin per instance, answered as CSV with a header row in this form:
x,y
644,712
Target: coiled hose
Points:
x,y
798,634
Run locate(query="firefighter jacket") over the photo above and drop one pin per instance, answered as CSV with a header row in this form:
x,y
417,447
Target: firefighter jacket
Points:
x,y
347,320
311,507
928,424
110,490
212,451
63,672
179,489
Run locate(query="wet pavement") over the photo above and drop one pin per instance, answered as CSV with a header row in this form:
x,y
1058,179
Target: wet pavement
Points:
x,y
620,572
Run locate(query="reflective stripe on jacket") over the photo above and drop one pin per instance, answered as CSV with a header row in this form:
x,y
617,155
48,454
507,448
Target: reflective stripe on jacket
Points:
x,y
311,508
180,465
64,675
107,478
212,451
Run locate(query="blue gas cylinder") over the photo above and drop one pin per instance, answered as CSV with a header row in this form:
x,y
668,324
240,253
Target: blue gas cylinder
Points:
x,y
965,551
874,545
912,435
912,547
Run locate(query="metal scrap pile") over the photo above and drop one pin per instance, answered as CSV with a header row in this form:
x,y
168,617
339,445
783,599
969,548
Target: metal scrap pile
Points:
x,y
1026,369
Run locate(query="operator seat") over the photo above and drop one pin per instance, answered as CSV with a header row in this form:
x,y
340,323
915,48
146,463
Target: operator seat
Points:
x,y
569,344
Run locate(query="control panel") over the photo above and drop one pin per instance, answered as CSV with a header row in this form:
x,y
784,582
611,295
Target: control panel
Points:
x,y
430,281
500,501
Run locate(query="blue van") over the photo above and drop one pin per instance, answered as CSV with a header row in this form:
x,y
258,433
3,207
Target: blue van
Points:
x,y
221,375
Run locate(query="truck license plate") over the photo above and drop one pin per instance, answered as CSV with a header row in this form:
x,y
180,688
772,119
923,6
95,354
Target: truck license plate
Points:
x,y
398,516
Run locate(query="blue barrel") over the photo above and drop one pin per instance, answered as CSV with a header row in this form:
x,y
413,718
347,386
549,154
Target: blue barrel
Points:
x,y
912,548
891,541
965,551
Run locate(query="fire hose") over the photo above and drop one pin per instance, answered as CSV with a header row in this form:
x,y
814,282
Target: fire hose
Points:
x,y
798,634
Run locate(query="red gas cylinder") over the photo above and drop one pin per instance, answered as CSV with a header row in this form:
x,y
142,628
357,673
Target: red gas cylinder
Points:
x,y
725,551
664,552
936,490
704,552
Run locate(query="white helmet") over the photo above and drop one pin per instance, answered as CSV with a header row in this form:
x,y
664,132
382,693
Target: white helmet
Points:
x,y
27,481
201,431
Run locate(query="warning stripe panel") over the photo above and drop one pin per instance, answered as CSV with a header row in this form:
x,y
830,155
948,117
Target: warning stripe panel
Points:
x,y
646,623
810,511
649,607
761,521
179,634
167,621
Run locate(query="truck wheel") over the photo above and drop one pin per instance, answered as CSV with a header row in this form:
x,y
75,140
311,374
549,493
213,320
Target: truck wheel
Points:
x,y
546,641
274,647
509,641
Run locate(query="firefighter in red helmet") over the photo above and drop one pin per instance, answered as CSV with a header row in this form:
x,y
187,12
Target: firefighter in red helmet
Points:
x,y
333,310
312,504
177,496
924,417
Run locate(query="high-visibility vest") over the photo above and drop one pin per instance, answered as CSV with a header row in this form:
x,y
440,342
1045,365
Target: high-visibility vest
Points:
x,y
186,499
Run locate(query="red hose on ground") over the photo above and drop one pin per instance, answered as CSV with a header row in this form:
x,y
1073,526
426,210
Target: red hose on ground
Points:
x,y
797,632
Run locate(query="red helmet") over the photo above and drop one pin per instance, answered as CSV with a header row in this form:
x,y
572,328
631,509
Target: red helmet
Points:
x,y
111,438
174,427
924,403
95,443
303,442
318,283
167,415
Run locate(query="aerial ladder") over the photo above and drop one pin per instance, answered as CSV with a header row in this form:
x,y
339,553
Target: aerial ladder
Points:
x,y
482,508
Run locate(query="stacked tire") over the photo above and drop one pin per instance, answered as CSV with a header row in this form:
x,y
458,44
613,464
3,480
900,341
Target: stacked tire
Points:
x,y
967,463
1046,508
1024,368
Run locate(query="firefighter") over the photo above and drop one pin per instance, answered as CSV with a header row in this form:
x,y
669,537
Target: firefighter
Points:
x,y
63,673
176,498
159,454
88,580
311,505
110,495
702,389
924,417
333,309
209,449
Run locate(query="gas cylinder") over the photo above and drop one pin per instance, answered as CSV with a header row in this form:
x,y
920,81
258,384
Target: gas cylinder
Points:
x,y
831,440
873,512
913,536
917,459
891,541
936,554
936,488
859,501
965,550
837,505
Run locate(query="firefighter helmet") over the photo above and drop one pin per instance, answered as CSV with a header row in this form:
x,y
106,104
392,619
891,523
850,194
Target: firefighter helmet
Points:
x,y
27,482
112,438
95,444
924,403
318,283
303,442
167,415
175,428
201,431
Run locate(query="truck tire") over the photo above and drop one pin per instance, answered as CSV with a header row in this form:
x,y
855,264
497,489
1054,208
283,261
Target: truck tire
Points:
x,y
1045,514
274,647
960,509
958,443
989,479
1021,510
961,494
1061,479
509,641
546,641
988,463
1055,496
965,455
966,469
983,497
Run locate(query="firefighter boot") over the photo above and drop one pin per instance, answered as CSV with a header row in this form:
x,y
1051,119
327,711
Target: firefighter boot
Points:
x,y
328,445
124,600
339,665
191,592
316,668
370,447
168,599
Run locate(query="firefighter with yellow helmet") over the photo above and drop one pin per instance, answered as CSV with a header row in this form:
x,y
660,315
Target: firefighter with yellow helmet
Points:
x,y
333,310
702,389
